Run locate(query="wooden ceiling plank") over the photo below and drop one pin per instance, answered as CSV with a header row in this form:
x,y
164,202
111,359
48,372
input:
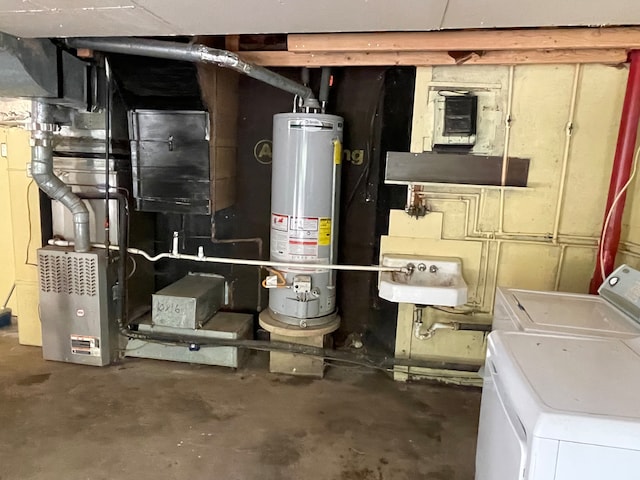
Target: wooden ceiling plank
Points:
x,y
232,43
611,56
290,59
428,58
469,40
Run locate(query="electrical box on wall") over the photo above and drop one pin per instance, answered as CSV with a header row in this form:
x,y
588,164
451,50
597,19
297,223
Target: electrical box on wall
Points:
x,y
464,116
455,122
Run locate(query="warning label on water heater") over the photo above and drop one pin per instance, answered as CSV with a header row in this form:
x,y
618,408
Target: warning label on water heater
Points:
x,y
280,222
307,226
303,238
324,232
298,238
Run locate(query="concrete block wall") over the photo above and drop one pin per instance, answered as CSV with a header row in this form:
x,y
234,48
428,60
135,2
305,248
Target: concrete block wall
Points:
x,y
20,226
565,119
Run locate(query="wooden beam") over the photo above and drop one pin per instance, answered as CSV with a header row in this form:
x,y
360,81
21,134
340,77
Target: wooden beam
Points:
x,y
502,57
469,40
232,43
290,59
84,53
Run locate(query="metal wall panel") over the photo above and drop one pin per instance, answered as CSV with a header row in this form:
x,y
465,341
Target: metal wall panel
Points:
x,y
428,167
170,160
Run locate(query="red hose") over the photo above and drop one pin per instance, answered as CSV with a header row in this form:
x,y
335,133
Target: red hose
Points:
x,y
620,172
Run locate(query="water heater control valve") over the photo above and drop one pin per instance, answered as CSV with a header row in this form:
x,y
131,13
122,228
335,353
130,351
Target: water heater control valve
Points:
x,y
302,284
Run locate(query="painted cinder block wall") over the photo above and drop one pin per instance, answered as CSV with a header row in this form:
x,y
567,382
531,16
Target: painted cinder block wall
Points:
x,y
20,224
541,237
7,264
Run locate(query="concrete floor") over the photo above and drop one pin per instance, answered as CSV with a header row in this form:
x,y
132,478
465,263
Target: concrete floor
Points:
x,y
147,419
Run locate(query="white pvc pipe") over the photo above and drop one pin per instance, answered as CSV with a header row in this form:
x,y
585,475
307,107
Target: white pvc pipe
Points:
x,y
496,269
505,155
432,329
563,248
567,148
546,238
242,261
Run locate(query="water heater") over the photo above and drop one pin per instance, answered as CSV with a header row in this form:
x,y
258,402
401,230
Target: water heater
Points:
x,y
307,151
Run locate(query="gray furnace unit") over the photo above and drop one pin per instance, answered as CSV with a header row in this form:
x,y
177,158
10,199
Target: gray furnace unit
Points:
x,y
77,319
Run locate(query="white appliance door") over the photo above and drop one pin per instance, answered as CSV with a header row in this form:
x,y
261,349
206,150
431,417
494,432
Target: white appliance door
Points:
x,y
501,452
583,315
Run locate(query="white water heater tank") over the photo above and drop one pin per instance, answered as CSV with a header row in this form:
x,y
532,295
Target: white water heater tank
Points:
x,y
307,150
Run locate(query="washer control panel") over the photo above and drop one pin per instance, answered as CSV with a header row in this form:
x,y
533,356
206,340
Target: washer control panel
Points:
x,y
622,290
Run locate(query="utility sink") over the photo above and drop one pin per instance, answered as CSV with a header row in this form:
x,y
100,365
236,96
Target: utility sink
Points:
x,y
429,281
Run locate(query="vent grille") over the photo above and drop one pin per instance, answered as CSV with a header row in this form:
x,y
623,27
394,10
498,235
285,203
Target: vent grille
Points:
x,y
67,274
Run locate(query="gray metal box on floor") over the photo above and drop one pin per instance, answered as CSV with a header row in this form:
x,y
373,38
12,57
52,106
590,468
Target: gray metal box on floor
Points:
x,y
189,302
222,325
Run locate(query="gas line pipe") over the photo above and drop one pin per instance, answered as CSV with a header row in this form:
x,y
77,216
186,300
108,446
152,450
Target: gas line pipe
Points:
x,y
200,257
620,173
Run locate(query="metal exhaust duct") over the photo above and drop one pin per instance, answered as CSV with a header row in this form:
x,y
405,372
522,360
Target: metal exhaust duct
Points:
x,y
196,53
42,171
35,68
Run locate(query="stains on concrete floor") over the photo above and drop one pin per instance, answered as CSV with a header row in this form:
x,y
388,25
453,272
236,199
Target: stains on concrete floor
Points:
x,y
147,419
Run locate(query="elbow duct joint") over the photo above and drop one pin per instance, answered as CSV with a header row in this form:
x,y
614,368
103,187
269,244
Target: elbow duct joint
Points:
x,y
48,182
194,53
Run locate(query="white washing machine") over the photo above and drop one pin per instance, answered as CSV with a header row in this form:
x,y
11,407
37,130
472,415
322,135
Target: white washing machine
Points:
x,y
557,407
573,314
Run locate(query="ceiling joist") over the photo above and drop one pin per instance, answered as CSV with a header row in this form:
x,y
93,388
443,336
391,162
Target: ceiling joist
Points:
x,y
469,47
291,59
469,40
